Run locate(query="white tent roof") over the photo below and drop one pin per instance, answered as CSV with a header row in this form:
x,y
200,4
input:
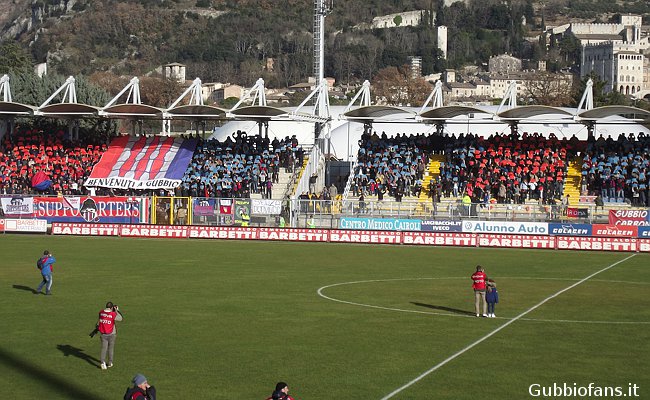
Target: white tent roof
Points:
x,y
345,135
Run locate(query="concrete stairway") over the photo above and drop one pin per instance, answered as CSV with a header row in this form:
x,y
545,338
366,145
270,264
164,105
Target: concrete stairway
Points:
x,y
433,171
572,181
279,188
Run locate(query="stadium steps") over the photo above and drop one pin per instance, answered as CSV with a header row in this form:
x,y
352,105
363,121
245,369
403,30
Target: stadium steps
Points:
x,y
433,171
572,181
302,171
279,188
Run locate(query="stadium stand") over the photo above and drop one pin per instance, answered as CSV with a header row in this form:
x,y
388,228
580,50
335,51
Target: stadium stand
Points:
x,y
391,166
66,163
617,170
507,168
239,166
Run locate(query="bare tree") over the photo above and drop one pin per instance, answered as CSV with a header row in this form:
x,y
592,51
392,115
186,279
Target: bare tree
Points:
x,y
396,86
549,89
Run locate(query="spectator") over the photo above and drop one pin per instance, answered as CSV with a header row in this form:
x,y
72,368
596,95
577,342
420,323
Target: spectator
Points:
x,y
45,265
281,392
141,389
491,297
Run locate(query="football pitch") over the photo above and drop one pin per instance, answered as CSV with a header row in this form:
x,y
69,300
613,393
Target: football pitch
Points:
x,y
228,319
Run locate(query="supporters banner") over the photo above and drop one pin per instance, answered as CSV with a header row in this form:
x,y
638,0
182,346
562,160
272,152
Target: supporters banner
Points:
x,y
573,212
131,162
204,207
429,225
614,230
385,224
266,207
513,228
569,229
17,205
92,209
629,217
241,207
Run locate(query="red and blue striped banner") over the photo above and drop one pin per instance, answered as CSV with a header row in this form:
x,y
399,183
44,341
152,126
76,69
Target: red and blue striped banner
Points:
x,y
130,162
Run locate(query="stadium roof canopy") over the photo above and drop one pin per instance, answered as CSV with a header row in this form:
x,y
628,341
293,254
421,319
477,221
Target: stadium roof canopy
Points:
x,y
68,107
257,113
131,107
11,108
371,113
195,111
524,112
448,112
129,110
68,110
610,111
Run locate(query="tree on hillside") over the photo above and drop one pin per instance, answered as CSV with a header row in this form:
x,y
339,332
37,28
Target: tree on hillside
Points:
x,y
396,86
549,90
158,91
14,59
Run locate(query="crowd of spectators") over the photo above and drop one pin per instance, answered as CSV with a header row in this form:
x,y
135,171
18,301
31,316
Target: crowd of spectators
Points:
x,y
238,166
617,170
65,162
391,166
505,168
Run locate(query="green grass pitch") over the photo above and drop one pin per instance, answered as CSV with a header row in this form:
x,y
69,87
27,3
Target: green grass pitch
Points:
x,y
228,319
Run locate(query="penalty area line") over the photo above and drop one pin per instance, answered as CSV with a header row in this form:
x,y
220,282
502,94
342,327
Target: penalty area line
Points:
x,y
495,331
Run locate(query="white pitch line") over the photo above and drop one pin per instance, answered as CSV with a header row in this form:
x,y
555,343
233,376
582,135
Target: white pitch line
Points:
x,y
447,314
471,346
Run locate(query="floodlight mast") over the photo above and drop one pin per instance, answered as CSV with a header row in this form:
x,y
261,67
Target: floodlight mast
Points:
x,y
321,9
321,109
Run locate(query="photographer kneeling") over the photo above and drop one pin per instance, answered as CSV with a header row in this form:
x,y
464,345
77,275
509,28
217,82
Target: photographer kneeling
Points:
x,y
106,326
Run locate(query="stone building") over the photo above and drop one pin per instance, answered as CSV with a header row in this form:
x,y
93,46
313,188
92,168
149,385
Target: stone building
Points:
x,y
504,64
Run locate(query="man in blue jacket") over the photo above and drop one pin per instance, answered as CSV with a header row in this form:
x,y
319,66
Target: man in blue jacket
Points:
x,y
45,264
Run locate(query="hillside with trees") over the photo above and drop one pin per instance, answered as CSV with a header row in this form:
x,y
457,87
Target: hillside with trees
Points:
x,y
234,40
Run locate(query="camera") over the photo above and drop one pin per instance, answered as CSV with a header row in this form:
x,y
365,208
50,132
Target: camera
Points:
x,y
94,332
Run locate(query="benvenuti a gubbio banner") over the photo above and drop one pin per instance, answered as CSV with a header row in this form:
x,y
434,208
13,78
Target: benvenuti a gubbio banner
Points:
x,y
156,162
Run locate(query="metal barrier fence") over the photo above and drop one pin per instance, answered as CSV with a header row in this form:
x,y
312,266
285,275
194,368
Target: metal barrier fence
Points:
x,y
273,213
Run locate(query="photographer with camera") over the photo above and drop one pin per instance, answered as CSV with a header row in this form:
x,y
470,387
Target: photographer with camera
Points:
x,y
106,326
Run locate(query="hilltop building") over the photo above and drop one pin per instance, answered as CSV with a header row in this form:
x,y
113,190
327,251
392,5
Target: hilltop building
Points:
x,y
616,52
503,69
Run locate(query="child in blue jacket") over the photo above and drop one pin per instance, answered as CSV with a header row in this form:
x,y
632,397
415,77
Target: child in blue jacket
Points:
x,y
491,297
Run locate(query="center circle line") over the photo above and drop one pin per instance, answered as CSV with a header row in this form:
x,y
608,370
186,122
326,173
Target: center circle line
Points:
x,y
321,293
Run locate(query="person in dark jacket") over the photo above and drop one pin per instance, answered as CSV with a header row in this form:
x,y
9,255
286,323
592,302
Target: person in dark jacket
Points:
x,y
491,297
281,392
141,389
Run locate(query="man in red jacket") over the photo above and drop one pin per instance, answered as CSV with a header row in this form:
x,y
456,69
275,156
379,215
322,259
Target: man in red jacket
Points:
x,y
106,326
478,284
